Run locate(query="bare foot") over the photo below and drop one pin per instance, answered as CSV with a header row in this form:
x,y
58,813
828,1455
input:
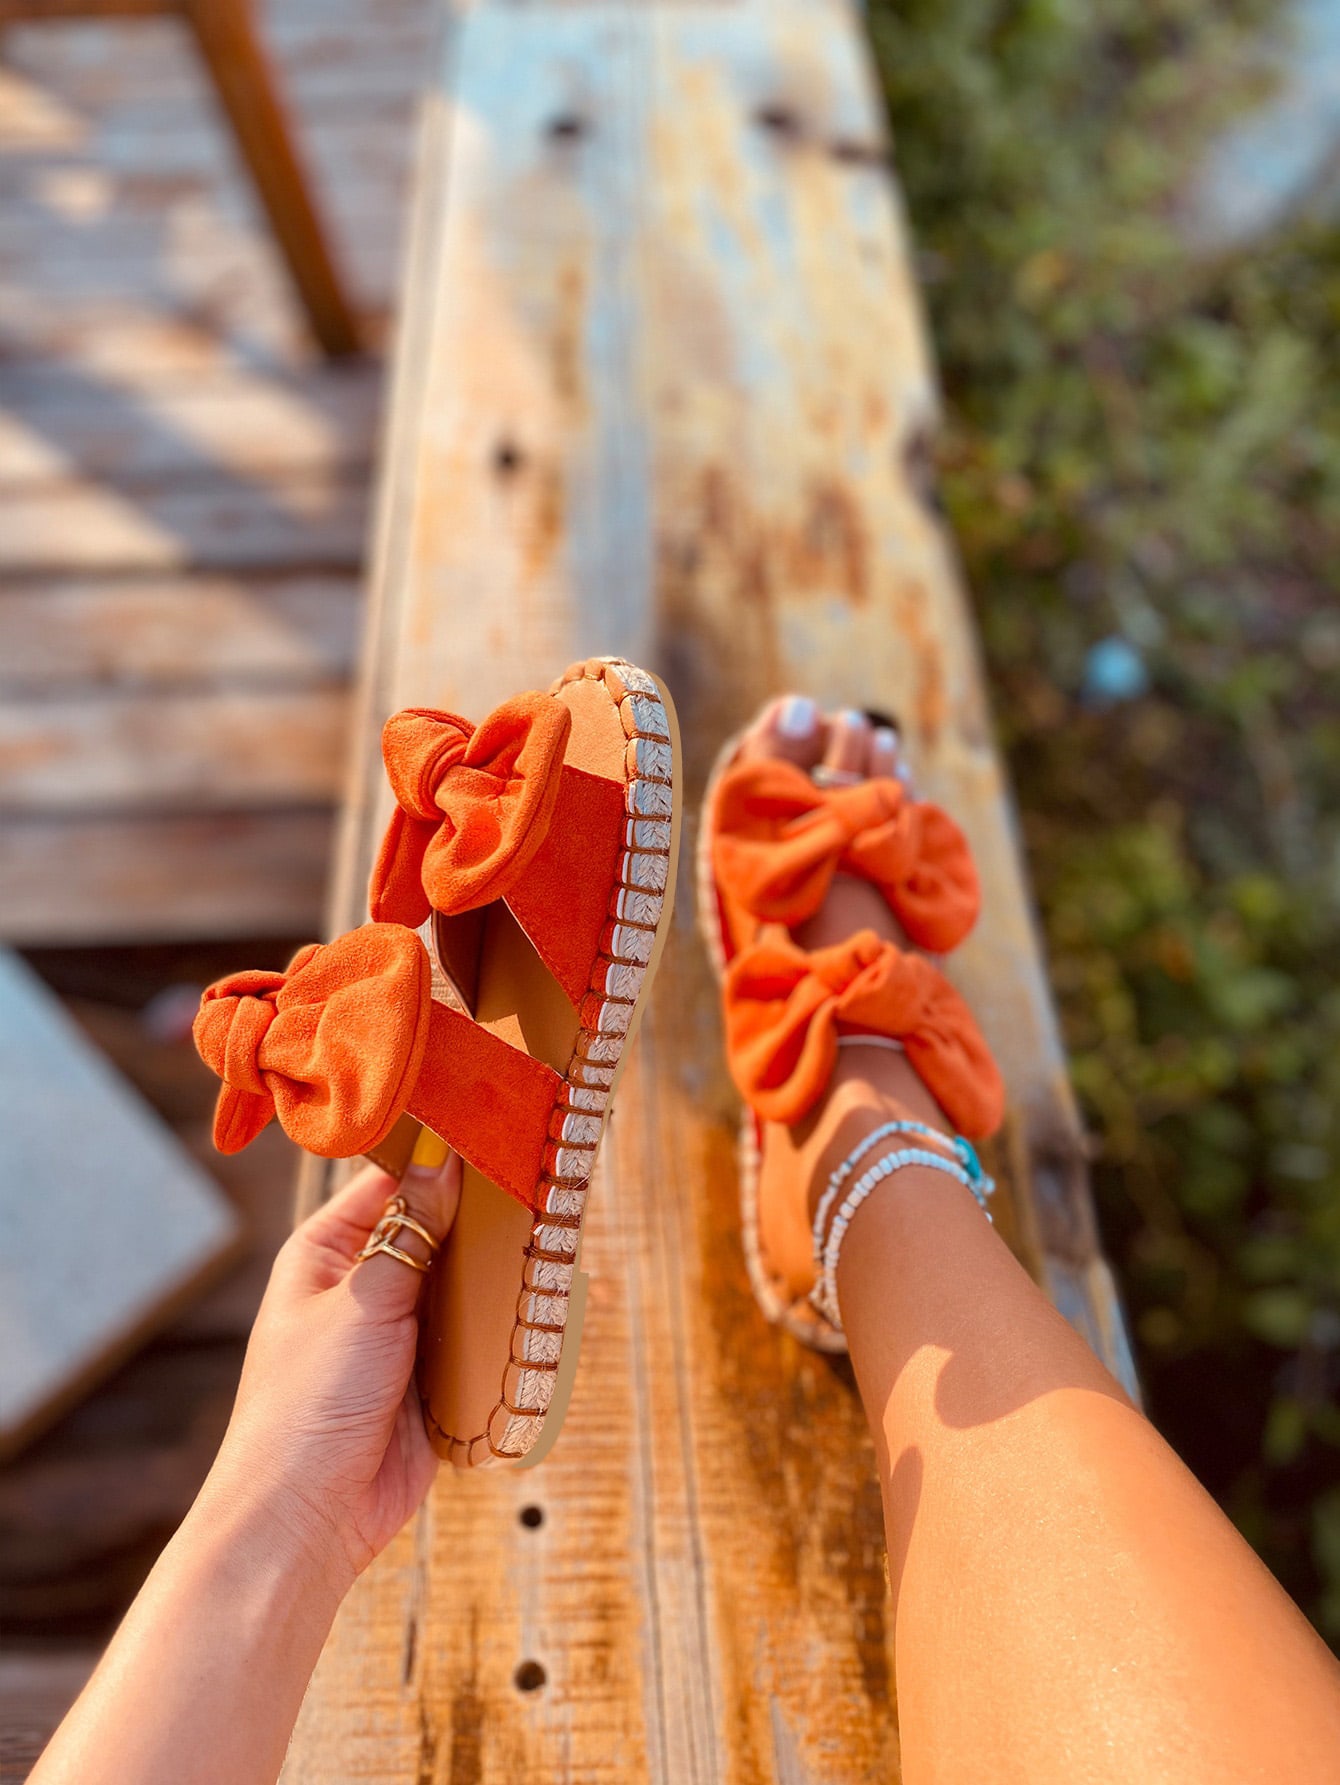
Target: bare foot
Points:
x,y
871,1084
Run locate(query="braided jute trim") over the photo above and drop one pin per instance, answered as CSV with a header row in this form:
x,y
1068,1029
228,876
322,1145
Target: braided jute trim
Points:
x,y
619,980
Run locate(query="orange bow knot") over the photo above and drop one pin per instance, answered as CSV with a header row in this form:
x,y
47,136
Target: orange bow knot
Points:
x,y
473,804
780,838
333,1045
785,1010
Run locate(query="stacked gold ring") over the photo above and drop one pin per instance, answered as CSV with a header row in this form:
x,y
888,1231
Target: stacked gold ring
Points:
x,y
395,1219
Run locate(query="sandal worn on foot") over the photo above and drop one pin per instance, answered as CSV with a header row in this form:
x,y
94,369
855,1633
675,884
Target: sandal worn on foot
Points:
x,y
537,851
773,838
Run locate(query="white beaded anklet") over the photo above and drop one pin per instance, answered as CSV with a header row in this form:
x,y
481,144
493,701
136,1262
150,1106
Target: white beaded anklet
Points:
x,y
842,1172
965,1169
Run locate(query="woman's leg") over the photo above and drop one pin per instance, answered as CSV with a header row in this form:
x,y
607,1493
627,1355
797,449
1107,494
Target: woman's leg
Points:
x,y
1070,1605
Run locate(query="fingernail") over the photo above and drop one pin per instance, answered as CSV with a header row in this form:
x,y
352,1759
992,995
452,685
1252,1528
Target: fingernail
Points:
x,y
886,738
430,1154
798,716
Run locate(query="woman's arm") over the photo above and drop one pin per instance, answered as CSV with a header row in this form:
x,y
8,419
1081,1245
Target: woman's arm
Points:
x,y
324,1460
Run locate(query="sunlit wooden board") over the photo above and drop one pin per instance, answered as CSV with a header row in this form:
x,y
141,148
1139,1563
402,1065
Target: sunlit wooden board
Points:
x,y
663,388
182,484
58,422
162,878
193,751
160,633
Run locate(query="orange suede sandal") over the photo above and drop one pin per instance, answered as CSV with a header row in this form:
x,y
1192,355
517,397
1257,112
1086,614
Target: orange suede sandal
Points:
x,y
772,840
538,851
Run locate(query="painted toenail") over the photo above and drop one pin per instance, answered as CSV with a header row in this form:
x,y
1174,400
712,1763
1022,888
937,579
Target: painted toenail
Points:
x,y
886,738
853,717
798,716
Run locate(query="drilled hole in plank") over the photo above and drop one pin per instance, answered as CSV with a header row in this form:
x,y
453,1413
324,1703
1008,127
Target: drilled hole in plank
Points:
x,y
779,119
567,127
508,458
529,1677
532,1517
854,153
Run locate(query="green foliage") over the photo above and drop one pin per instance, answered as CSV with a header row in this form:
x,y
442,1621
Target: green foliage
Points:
x,y
1145,444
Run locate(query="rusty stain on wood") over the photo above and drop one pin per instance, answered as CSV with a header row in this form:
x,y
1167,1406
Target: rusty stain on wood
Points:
x,y
737,429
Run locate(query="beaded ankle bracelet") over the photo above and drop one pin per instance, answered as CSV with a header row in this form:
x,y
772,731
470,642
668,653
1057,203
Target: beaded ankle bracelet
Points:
x,y
963,1166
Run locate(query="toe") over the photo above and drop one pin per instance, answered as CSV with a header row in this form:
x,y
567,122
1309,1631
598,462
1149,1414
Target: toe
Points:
x,y
791,727
883,751
848,748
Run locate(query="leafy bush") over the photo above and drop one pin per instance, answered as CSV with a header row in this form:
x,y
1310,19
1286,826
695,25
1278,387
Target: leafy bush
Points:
x,y
1142,469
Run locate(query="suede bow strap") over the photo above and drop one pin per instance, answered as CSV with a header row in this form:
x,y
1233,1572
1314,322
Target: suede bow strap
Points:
x,y
348,1038
332,1046
780,839
473,805
785,1010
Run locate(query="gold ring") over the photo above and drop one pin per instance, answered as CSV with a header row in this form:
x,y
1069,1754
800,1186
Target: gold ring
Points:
x,y
383,1236
824,776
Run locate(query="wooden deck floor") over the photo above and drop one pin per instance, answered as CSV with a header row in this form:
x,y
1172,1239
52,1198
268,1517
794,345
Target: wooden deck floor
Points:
x,y
183,494
183,483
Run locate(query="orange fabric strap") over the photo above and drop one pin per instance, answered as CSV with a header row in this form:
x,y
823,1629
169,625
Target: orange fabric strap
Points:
x,y
494,812
490,1102
348,1038
785,1010
778,840
473,805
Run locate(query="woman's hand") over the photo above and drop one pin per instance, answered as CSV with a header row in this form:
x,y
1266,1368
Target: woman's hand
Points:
x,y
326,1449
323,1462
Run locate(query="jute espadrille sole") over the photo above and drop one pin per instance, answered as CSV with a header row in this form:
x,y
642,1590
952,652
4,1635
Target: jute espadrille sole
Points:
x,y
537,1380
799,1318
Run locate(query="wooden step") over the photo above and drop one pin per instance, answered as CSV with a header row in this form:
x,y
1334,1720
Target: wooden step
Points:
x,y
144,879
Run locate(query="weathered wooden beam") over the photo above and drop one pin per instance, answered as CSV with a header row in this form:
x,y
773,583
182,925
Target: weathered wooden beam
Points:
x,y
663,388
246,88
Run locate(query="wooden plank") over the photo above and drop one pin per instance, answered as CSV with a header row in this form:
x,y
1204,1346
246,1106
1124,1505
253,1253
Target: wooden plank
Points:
x,y
36,1690
151,61
103,335
159,879
309,520
160,633
17,12
57,423
663,389
195,751
69,1313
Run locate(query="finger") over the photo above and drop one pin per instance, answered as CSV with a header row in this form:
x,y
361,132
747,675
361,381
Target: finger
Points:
x,y
430,1189
341,1226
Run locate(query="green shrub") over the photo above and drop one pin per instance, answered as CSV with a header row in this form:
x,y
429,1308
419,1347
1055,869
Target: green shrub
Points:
x,y
1143,445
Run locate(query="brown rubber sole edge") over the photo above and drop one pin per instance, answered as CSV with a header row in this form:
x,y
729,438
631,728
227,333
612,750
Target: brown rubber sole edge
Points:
x,y
799,1318
546,1337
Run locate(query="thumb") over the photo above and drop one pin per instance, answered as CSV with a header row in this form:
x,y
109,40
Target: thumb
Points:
x,y
429,1192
